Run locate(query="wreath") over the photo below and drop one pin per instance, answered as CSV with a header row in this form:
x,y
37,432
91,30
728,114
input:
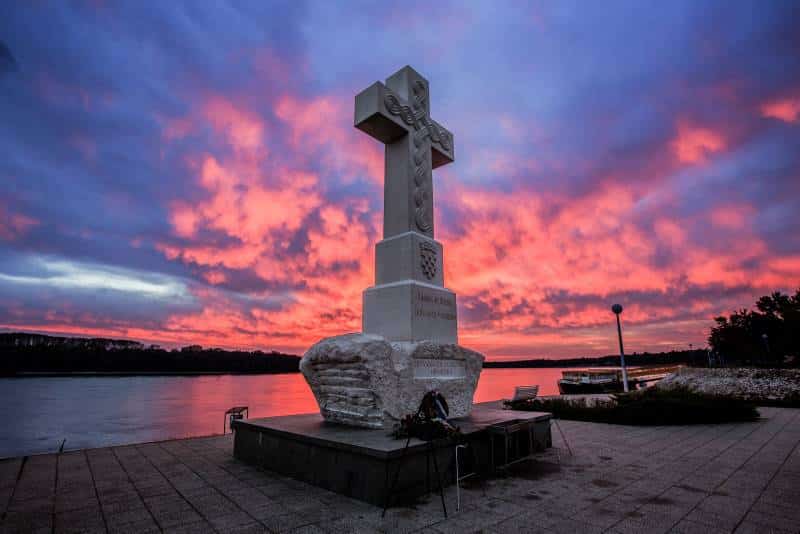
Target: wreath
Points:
x,y
430,422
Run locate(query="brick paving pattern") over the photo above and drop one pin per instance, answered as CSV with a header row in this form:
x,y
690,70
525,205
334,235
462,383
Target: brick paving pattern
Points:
x,y
706,478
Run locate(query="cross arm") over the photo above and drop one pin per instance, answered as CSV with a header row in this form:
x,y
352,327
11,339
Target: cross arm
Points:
x,y
443,153
373,118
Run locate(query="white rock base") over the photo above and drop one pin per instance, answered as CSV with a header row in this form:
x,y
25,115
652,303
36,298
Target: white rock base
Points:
x,y
365,380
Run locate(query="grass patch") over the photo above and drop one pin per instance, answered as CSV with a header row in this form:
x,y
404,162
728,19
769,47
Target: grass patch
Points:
x,y
649,407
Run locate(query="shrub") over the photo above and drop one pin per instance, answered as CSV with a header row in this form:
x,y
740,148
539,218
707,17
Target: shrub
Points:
x,y
649,407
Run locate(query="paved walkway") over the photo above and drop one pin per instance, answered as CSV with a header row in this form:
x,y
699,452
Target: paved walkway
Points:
x,y
707,479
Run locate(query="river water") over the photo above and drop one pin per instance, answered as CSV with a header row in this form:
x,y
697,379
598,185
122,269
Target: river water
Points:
x,y
37,414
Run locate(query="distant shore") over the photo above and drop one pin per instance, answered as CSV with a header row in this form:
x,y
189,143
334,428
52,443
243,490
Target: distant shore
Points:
x,y
75,374
637,359
23,354
36,355
111,374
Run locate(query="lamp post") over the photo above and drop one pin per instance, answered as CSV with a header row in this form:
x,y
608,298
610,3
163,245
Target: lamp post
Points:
x,y
765,339
617,309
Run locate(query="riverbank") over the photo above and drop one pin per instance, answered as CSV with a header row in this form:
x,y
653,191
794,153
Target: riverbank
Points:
x,y
706,478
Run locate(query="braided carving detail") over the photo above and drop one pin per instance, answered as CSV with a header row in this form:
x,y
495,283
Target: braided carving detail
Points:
x,y
425,132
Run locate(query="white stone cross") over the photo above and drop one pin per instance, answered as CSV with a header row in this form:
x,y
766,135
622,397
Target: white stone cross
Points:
x,y
408,301
398,114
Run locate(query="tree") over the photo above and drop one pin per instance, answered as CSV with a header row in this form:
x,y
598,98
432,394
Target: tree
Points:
x,y
762,336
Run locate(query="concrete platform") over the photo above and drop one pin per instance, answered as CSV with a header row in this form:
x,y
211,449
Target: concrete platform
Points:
x,y
361,463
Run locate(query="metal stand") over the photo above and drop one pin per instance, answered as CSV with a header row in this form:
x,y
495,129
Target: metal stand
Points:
x,y
429,451
233,414
563,437
433,408
460,477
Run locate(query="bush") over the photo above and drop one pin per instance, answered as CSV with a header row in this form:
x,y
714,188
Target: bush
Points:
x,y
648,407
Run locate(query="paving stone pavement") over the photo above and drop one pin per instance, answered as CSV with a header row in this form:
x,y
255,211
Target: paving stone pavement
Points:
x,y
705,478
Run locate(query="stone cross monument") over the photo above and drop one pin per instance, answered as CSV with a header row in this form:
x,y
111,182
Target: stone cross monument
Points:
x,y
409,344
409,301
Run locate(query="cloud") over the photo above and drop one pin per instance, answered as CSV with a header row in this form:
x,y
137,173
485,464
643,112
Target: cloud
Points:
x,y
784,109
188,173
694,144
14,225
69,275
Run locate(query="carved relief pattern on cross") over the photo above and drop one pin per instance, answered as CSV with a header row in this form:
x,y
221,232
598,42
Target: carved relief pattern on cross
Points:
x,y
425,132
397,113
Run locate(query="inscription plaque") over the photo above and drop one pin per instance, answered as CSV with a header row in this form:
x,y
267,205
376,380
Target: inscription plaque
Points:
x,y
438,368
434,305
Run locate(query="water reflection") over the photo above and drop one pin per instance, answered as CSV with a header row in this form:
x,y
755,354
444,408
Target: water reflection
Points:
x,y
38,413
500,383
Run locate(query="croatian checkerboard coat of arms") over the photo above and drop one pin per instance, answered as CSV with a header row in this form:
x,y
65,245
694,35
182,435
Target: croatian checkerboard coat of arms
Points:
x,y
428,260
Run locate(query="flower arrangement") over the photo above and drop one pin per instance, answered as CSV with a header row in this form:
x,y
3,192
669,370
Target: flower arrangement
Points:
x,y
430,422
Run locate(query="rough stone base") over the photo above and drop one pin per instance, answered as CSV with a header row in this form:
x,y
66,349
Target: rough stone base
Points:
x,y
365,380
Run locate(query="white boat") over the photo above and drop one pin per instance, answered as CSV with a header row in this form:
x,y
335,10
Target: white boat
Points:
x,y
609,379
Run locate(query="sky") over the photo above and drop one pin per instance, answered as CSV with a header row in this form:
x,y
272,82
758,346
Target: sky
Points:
x,y
188,172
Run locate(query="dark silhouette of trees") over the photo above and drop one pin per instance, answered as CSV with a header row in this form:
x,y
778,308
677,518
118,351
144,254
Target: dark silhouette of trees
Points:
x,y
769,335
697,357
33,353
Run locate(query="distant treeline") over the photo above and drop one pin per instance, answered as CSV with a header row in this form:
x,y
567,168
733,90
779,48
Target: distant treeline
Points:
x,y
22,354
767,336
697,357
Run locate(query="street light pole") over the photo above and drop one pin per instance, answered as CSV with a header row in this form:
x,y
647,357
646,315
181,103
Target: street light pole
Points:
x,y
617,309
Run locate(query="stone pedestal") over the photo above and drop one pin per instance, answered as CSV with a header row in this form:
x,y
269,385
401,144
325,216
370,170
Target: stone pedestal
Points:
x,y
409,256
409,301
411,311
365,380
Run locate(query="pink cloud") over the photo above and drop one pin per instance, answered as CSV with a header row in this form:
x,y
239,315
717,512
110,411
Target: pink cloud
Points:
x,y
783,109
258,198
175,128
243,129
215,277
184,219
732,216
14,225
516,250
693,144
321,128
